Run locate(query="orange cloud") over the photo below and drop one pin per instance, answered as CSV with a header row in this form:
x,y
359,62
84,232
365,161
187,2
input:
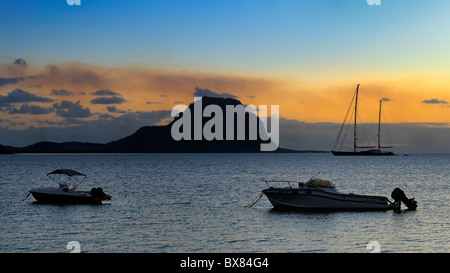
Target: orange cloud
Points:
x,y
404,98
149,89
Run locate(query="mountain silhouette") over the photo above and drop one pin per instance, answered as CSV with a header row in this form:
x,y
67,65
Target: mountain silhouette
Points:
x,y
158,139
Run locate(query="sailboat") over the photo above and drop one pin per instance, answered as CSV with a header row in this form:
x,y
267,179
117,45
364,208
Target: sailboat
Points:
x,y
372,150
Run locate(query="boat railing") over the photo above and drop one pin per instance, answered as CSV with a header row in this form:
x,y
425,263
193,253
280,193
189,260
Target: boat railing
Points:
x,y
297,183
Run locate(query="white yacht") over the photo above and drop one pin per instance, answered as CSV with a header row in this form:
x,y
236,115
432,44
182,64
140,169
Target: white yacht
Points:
x,y
322,194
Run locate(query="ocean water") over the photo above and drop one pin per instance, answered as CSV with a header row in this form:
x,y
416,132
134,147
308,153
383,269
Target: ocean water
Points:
x,y
197,203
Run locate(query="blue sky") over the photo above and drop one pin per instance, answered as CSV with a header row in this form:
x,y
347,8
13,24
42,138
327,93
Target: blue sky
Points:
x,y
304,55
252,36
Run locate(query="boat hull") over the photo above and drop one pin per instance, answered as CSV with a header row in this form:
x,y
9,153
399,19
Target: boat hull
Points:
x,y
315,199
59,197
362,153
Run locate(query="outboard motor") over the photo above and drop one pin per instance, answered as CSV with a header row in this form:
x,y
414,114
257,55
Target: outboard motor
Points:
x,y
99,194
398,195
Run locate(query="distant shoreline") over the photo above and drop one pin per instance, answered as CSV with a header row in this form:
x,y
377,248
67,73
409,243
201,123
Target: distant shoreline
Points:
x,y
28,150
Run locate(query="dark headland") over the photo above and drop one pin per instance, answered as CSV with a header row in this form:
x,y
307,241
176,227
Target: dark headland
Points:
x,y
158,139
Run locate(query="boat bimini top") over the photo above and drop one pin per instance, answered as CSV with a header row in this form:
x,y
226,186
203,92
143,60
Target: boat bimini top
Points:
x,y
67,177
68,172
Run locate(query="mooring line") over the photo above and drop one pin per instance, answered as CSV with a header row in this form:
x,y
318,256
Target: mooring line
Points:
x,y
255,201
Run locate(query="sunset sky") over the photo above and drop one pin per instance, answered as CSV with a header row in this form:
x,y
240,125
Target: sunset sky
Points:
x,y
99,71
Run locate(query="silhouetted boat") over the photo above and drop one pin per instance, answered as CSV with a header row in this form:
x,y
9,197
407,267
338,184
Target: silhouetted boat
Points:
x,y
65,194
373,150
322,194
368,152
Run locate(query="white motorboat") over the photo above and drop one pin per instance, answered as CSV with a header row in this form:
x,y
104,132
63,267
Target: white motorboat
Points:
x,y
67,192
322,194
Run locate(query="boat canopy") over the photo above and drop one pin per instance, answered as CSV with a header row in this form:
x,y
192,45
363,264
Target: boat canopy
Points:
x,y
68,172
316,182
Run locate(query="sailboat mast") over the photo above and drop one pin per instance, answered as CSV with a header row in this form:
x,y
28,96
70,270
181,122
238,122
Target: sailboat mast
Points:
x,y
354,125
379,127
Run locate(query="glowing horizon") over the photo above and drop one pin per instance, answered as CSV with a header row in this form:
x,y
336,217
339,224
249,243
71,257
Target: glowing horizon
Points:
x,y
420,98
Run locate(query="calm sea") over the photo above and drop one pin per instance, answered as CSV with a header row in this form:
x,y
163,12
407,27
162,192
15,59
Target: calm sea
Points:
x,y
197,203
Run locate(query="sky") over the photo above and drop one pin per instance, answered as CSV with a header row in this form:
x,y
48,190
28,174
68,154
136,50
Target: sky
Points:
x,y
100,70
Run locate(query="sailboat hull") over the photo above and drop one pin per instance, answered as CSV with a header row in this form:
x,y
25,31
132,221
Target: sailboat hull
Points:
x,y
363,153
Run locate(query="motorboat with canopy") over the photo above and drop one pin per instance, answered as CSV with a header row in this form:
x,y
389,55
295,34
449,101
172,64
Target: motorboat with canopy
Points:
x,y
67,192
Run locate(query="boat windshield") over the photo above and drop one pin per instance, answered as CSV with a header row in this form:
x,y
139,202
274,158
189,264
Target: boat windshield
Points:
x,y
315,182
